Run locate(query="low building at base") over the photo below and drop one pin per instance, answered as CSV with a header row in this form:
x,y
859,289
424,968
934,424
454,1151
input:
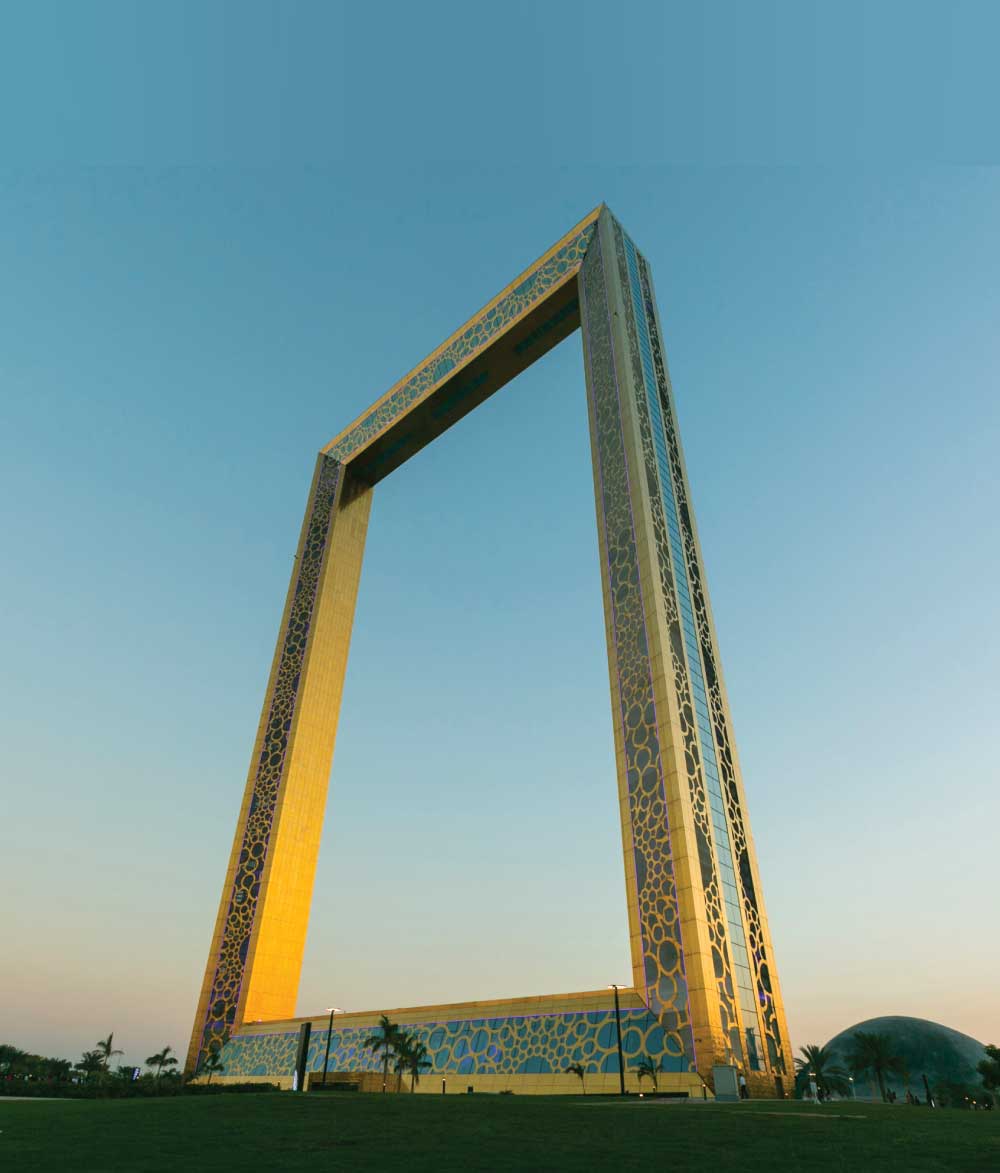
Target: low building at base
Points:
x,y
521,1045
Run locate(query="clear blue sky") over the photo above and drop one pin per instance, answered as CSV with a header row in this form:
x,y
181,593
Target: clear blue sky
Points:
x,y
226,229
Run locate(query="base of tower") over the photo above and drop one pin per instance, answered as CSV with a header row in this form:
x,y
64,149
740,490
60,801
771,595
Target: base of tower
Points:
x,y
521,1045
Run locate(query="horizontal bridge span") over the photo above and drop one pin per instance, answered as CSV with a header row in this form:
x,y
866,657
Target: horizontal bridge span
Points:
x,y
526,320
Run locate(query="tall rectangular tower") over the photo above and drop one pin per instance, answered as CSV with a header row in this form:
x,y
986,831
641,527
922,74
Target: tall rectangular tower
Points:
x,y
691,873
705,988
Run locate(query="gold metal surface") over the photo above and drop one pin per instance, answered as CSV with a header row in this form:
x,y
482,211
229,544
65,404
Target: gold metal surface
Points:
x,y
683,954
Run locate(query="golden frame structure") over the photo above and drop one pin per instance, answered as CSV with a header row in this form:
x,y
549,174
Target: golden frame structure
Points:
x,y
701,952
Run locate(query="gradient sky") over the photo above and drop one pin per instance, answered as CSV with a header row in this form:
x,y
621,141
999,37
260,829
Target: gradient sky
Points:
x,y
226,229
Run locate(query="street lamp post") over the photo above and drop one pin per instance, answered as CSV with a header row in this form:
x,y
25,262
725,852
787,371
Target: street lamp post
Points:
x,y
329,1032
618,1025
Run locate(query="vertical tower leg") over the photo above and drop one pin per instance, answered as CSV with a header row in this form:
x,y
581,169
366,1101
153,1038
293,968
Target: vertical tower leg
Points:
x,y
761,1005
690,875
642,728
255,958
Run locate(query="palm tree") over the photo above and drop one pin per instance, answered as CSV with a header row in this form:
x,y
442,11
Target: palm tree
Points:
x,y
647,1066
59,1068
989,1069
400,1046
106,1051
577,1069
211,1063
385,1043
160,1060
822,1063
210,1060
91,1063
873,1055
411,1056
11,1058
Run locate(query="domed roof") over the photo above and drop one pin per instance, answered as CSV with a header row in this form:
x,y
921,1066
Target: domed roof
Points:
x,y
926,1048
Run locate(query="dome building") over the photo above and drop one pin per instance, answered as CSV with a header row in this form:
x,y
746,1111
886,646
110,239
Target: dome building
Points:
x,y
943,1055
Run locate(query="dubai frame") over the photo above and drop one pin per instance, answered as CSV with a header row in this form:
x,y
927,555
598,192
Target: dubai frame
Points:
x,y
704,985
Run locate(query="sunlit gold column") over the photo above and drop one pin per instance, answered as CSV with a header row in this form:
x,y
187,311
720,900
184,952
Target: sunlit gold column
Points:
x,y
256,954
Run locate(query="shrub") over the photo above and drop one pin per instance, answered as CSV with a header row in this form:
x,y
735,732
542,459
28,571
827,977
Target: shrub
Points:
x,y
113,1089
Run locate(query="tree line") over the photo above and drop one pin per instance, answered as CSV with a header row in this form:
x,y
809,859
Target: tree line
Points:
x,y
872,1056
95,1065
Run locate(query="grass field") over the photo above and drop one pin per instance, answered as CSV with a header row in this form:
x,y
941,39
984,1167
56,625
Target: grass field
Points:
x,y
417,1133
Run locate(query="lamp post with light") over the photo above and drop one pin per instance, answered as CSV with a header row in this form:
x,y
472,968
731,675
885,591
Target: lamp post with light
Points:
x,y
329,1031
618,1025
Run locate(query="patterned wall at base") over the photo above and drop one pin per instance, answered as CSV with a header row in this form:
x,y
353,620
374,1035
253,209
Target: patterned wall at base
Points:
x,y
514,1045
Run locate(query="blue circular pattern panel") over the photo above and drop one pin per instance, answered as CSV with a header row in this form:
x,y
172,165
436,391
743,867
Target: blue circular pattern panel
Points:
x,y
481,1046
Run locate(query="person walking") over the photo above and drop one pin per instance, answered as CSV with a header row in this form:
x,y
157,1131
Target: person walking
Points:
x,y
744,1090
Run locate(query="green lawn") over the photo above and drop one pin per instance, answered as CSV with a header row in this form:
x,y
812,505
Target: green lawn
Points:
x,y
417,1133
